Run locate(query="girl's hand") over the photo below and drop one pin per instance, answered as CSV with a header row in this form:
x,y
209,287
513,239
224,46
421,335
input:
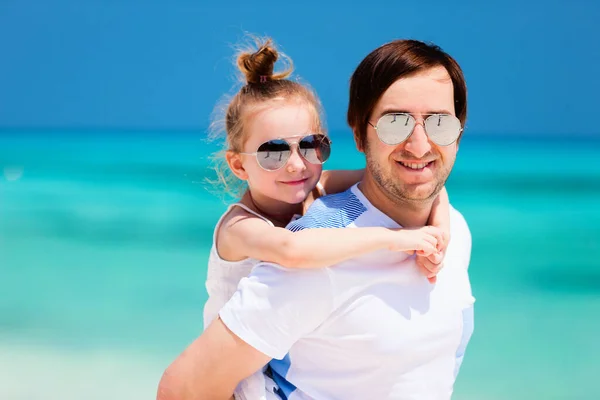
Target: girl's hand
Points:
x,y
430,265
424,241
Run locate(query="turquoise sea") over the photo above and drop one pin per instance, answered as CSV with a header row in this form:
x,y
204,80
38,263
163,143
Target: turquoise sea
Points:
x,y
104,238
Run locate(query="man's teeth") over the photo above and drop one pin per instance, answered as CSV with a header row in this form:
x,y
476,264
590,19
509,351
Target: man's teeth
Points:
x,y
414,165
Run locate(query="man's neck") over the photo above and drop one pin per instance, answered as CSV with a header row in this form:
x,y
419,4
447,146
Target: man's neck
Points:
x,y
406,213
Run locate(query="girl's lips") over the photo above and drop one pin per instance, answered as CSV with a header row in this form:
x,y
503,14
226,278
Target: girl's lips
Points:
x,y
296,182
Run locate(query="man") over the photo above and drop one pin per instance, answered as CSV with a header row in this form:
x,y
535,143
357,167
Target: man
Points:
x,y
372,327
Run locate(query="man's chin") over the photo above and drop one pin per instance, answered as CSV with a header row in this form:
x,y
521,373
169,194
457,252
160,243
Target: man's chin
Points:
x,y
419,192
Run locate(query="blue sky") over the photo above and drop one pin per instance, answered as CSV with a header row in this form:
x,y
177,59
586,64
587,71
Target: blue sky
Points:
x,y
531,67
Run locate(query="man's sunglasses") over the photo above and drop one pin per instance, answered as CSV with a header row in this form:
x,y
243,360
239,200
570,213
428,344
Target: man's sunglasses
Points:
x,y
274,154
395,128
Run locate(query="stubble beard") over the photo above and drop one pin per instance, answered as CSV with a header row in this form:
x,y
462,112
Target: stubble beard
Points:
x,y
403,194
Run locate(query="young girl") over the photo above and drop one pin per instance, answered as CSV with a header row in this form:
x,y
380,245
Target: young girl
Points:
x,y
276,143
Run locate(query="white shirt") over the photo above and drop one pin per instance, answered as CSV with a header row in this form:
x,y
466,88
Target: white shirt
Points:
x,y
369,328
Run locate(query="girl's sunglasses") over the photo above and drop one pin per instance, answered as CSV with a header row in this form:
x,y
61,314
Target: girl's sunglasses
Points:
x,y
274,154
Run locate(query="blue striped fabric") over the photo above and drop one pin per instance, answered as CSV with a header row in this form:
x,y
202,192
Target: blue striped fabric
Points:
x,y
333,211
279,371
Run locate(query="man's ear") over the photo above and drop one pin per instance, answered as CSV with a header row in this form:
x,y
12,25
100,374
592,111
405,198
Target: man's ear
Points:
x,y
357,141
234,161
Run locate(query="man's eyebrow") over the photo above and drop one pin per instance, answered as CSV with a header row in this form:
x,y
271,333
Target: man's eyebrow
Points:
x,y
393,110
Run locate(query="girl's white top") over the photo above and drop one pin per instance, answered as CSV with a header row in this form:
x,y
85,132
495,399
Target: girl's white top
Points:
x,y
222,279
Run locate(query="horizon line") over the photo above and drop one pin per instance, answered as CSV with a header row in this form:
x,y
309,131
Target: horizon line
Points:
x,y
203,130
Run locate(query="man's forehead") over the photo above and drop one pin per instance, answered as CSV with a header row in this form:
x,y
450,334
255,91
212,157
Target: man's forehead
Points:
x,y
428,90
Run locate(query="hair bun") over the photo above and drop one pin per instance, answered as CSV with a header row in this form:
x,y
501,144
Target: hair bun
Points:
x,y
258,66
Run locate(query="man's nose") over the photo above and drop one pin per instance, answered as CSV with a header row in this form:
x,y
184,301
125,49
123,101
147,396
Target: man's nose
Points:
x,y
418,143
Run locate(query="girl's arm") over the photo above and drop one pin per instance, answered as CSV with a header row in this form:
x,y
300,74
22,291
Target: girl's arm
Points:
x,y
440,216
337,181
243,236
431,264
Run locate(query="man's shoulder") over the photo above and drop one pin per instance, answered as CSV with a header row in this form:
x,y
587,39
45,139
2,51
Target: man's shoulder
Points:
x,y
458,224
271,273
288,284
332,211
460,236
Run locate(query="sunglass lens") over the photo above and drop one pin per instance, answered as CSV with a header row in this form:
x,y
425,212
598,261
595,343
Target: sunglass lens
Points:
x,y
315,148
442,129
273,154
393,129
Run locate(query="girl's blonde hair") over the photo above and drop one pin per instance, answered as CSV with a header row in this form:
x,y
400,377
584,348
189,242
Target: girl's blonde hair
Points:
x,y
262,86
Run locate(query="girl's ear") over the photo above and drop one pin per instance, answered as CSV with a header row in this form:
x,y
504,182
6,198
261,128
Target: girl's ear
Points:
x,y
234,160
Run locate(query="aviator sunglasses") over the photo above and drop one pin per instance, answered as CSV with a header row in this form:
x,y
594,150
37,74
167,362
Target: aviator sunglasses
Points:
x,y
274,154
395,128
